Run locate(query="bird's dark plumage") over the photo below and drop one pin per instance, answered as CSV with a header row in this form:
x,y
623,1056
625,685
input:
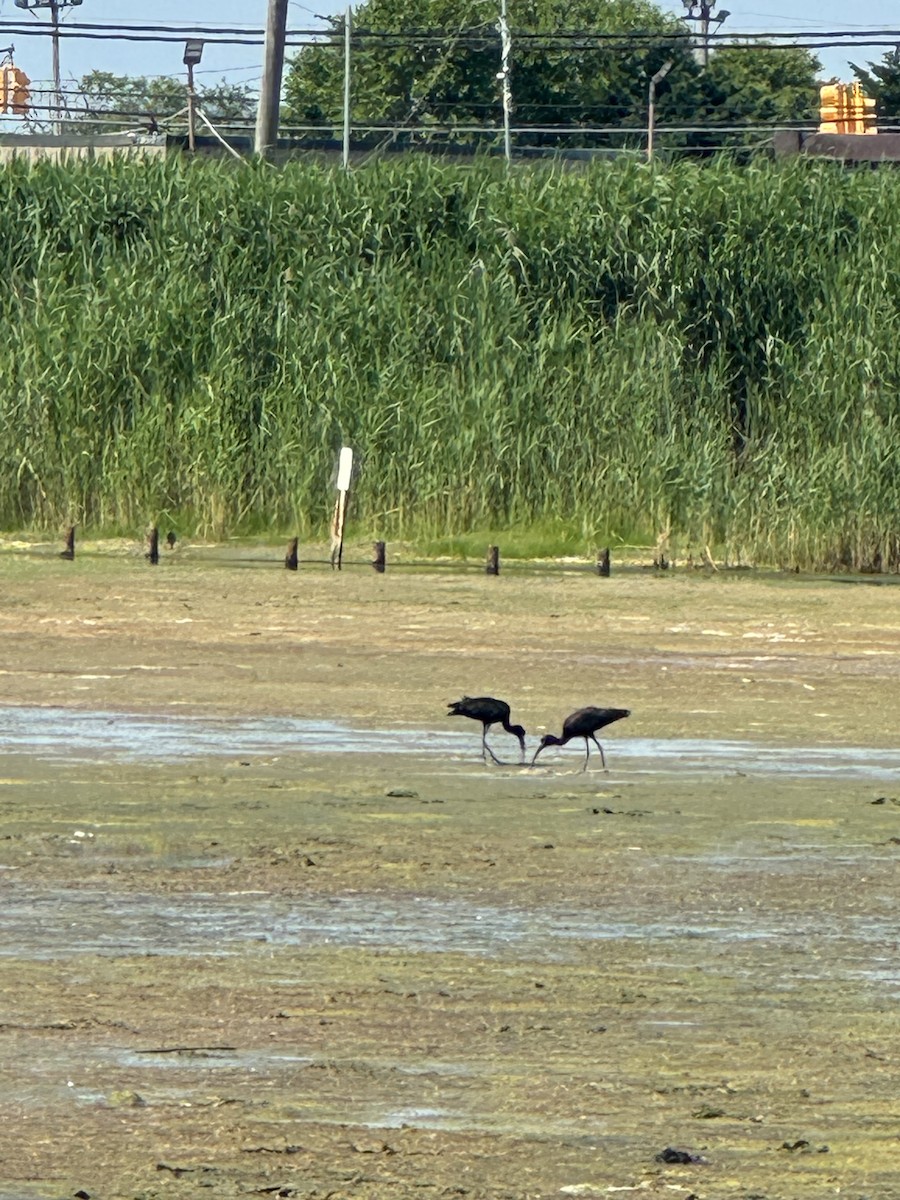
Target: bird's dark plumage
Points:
x,y
489,712
583,723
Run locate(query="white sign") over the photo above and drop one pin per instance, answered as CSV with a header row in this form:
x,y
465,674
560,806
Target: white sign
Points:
x,y
345,469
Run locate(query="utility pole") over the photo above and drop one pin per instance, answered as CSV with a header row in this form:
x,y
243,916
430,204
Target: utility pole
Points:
x,y
54,6
702,12
503,76
345,157
273,68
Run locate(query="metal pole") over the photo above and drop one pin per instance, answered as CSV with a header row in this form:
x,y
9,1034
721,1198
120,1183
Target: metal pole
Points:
x,y
651,105
503,76
192,141
54,19
704,34
347,27
273,68
651,101
704,16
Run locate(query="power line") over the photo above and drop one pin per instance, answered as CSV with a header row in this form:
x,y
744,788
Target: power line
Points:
x,y
236,35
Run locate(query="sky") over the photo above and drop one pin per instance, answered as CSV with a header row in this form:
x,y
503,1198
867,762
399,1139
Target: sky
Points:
x,y
241,64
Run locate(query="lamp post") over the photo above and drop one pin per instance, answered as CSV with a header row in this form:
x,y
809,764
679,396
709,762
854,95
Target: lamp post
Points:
x,y
702,11
651,104
193,52
55,6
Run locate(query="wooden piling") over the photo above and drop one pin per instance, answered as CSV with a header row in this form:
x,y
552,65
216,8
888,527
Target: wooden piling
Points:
x,y
153,552
379,562
337,530
290,559
492,566
344,476
603,564
69,551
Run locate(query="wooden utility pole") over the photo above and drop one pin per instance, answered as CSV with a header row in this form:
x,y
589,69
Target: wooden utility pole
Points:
x,y
54,7
273,69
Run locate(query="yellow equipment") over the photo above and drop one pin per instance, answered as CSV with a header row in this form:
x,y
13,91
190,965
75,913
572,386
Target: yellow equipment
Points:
x,y
17,93
844,109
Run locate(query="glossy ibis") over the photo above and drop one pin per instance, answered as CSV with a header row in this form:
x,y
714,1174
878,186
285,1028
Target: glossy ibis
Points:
x,y
583,723
489,712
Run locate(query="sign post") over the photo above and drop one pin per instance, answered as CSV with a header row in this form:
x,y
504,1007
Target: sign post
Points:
x,y
345,470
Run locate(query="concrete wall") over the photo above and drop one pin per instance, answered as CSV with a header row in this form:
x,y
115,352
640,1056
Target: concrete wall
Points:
x,y
58,149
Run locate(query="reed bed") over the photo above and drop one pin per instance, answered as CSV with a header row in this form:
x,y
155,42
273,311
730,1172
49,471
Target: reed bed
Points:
x,y
709,353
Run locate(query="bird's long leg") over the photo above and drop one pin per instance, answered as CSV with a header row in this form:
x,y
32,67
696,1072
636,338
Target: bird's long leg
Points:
x,y
487,747
587,753
600,748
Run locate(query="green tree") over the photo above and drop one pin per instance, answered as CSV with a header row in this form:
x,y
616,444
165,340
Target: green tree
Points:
x,y
743,87
440,68
111,102
439,71
882,83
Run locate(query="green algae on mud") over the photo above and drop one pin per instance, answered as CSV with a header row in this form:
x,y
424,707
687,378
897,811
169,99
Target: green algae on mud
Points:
x,y
711,951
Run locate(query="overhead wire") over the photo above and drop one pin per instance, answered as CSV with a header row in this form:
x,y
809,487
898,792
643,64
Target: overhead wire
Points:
x,y
239,35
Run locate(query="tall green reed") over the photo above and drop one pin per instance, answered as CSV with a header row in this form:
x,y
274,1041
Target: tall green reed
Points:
x,y
705,351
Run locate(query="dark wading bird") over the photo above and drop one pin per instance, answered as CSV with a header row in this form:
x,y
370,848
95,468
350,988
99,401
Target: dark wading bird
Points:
x,y
489,712
583,723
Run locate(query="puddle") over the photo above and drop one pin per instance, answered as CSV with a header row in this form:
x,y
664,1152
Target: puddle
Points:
x,y
269,1061
208,1060
89,736
65,923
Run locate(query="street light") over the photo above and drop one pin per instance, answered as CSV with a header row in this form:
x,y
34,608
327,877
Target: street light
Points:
x,y
54,6
651,104
702,11
193,52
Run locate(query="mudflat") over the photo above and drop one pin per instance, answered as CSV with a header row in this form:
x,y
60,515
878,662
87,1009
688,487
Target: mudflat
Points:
x,y
272,927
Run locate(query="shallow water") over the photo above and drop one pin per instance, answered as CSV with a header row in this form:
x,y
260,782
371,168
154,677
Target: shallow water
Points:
x,y
89,736
42,925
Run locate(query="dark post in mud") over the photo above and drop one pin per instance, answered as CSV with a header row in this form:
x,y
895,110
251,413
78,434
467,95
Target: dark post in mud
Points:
x,y
345,470
69,551
153,552
603,564
379,562
492,566
290,559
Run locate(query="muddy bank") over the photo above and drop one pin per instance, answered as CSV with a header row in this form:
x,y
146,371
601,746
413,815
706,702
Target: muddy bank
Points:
x,y
775,661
